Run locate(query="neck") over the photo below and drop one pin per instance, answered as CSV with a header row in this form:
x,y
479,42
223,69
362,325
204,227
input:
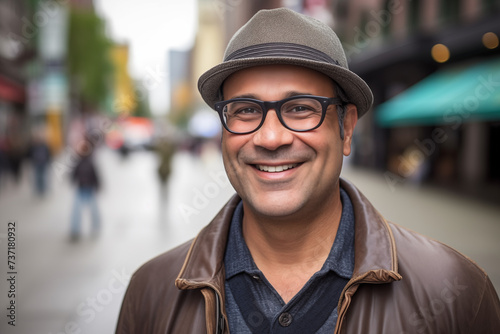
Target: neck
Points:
x,y
281,244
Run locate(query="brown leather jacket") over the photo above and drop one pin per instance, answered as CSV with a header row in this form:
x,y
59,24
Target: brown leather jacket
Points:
x,y
402,283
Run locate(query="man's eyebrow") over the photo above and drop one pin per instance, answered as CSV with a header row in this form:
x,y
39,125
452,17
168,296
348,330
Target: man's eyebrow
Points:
x,y
296,93
245,96
287,95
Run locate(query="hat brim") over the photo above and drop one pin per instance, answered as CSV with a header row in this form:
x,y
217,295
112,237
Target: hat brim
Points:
x,y
355,88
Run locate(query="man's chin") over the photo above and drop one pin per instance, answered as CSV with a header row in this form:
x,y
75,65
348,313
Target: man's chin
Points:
x,y
276,207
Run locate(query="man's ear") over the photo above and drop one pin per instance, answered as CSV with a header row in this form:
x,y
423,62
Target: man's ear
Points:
x,y
350,120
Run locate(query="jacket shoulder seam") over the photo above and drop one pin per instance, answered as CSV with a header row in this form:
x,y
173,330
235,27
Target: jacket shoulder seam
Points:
x,y
392,240
186,259
476,312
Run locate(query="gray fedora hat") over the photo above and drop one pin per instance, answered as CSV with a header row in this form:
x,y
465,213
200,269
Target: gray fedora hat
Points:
x,y
282,36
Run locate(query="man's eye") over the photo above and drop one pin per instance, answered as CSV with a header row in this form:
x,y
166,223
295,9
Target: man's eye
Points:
x,y
247,111
299,108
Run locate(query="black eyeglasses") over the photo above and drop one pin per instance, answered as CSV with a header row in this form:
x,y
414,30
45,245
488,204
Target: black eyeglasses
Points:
x,y
299,113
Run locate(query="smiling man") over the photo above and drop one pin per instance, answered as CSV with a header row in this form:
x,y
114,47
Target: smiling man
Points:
x,y
298,249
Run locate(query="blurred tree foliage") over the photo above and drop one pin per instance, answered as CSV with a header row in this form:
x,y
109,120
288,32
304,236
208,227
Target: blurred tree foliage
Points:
x,y
89,65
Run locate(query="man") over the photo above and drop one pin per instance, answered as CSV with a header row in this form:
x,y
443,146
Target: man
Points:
x,y
299,250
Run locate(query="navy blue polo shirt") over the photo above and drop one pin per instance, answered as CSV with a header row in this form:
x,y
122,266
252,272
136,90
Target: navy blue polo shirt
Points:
x,y
254,306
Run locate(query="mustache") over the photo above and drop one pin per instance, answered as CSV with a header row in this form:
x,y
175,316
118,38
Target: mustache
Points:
x,y
280,154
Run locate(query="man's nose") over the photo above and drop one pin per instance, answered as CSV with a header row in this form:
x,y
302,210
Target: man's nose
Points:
x,y
272,134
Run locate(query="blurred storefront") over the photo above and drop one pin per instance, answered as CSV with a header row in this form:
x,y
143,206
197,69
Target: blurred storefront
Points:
x,y
49,93
434,70
15,51
52,70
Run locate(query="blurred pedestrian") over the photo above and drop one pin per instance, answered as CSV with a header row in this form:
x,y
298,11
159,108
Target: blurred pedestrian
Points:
x,y
87,181
165,149
298,249
40,158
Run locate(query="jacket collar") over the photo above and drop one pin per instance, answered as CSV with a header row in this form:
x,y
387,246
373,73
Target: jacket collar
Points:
x,y
375,258
203,265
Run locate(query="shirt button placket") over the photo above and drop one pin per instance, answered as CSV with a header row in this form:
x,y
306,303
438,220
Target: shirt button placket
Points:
x,y
285,319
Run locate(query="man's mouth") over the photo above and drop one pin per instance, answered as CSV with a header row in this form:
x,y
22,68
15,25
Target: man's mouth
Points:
x,y
275,169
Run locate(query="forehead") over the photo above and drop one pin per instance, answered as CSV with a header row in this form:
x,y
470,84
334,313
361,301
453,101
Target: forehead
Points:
x,y
270,79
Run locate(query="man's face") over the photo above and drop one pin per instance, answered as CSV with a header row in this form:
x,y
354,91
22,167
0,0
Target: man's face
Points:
x,y
308,163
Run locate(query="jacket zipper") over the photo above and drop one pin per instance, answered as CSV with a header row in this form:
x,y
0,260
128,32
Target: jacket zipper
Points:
x,y
219,323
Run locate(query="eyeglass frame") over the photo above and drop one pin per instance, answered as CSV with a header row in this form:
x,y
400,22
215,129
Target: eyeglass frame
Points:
x,y
276,105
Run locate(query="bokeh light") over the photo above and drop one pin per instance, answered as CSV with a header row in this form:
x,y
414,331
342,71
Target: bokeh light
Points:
x,y
440,53
490,40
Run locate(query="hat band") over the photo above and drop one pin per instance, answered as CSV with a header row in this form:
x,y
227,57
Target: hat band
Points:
x,y
291,50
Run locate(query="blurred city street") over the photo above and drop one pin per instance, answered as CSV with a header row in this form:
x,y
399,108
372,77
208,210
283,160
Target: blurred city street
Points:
x,y
77,287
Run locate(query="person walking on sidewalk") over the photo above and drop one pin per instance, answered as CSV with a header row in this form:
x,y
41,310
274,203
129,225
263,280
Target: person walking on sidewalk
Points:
x,y
165,149
86,179
299,249
40,159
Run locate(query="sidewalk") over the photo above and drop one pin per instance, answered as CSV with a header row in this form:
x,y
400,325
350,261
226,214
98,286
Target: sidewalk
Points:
x,y
63,287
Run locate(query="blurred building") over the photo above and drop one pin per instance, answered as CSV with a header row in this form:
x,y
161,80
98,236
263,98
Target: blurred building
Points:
x,y
49,84
434,68
187,110
181,90
124,93
16,49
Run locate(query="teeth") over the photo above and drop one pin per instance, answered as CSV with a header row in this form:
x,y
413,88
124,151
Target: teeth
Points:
x,y
274,169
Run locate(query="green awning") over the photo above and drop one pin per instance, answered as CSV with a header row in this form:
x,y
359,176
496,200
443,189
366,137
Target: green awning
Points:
x,y
450,96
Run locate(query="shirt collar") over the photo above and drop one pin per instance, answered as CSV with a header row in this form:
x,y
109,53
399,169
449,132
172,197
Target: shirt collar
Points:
x,y
238,258
340,259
